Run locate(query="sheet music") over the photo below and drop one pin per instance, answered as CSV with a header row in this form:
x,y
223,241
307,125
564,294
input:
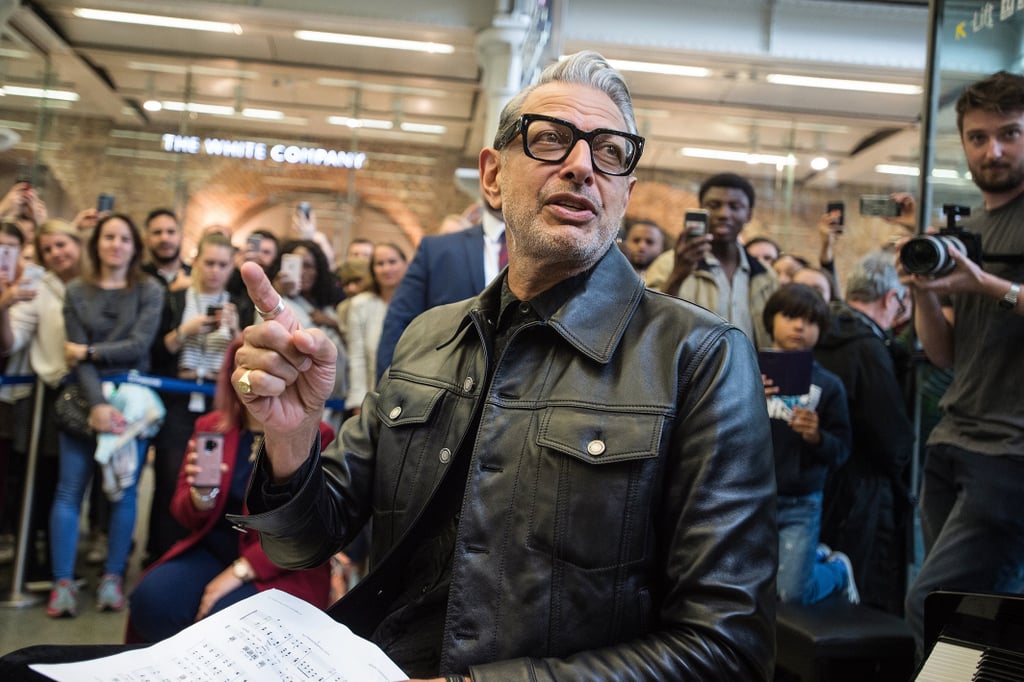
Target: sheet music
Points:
x,y
270,636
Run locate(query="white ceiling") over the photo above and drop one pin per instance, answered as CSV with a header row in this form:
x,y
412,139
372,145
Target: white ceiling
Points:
x,y
116,67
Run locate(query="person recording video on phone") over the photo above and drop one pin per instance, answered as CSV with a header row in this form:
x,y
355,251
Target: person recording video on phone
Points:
x,y
713,269
213,566
197,324
969,317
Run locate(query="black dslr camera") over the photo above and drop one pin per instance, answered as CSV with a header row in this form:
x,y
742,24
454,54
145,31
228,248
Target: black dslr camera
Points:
x,y
927,254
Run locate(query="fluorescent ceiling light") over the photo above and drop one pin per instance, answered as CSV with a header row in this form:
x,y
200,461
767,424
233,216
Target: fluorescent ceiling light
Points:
x,y
157,20
742,157
381,87
152,105
372,41
428,128
197,108
360,122
194,69
666,69
13,53
843,84
914,171
265,114
40,93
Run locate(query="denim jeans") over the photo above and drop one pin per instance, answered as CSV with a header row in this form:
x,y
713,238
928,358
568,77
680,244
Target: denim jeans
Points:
x,y
76,469
802,579
167,598
972,525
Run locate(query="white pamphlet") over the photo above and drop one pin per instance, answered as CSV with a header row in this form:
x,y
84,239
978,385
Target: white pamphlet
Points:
x,y
270,636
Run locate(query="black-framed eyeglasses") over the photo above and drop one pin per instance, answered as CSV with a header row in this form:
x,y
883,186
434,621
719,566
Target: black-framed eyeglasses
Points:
x,y
550,139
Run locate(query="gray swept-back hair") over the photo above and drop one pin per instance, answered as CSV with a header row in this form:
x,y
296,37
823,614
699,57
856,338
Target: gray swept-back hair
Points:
x,y
583,68
872,278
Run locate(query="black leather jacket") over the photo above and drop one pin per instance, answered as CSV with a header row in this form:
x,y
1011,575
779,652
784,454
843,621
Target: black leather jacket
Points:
x,y
619,516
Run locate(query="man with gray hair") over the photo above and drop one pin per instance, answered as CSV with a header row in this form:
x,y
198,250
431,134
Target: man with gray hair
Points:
x,y
569,476
866,500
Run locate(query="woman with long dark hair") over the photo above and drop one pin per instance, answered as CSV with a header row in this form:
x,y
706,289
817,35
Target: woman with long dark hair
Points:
x,y
111,317
311,297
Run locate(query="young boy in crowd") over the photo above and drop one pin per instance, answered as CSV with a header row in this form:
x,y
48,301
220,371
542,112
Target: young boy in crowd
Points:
x,y
810,435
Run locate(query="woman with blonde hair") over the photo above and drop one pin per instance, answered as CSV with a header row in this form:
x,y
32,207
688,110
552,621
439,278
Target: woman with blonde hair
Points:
x,y
32,338
366,321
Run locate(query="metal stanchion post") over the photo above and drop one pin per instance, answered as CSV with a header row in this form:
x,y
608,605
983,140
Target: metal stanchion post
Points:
x,y
17,598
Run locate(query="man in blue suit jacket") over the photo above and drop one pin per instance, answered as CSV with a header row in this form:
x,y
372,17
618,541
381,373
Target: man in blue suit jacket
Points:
x,y
446,268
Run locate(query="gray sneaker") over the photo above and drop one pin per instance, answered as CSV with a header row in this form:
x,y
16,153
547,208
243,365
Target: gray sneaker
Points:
x,y
110,593
852,595
63,600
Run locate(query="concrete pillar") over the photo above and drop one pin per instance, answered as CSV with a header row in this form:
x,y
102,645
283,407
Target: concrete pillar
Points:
x,y
499,53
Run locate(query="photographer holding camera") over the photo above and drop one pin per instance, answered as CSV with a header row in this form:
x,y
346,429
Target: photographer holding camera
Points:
x,y
968,316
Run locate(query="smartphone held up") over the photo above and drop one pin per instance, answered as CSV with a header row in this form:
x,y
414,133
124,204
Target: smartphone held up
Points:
x,y
105,203
695,223
209,455
881,205
838,222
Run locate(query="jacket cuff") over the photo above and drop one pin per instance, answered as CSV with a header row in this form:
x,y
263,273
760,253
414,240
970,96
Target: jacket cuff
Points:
x,y
270,504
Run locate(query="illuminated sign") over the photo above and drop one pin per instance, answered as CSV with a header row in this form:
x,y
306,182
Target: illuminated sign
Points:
x,y
260,151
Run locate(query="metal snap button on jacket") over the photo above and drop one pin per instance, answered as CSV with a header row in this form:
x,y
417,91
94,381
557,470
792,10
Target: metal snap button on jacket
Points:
x,y
596,447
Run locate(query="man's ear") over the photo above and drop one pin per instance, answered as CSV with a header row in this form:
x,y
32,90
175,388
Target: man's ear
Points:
x,y
490,169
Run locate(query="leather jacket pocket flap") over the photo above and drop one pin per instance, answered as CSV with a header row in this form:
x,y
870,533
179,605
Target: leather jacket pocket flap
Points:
x,y
408,404
600,436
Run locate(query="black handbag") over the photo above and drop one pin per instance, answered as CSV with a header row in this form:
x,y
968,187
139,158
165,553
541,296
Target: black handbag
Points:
x,y
72,412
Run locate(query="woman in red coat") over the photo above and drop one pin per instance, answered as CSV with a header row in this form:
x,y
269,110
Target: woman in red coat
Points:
x,y
215,566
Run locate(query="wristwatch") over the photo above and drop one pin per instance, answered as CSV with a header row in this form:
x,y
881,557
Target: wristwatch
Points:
x,y
242,570
90,352
1009,300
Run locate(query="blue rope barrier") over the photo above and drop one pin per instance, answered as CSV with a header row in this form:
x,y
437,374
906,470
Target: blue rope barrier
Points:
x,y
180,386
12,380
164,384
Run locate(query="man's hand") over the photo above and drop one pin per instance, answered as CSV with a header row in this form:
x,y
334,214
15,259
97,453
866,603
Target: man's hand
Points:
x,y
688,253
908,211
182,280
966,277
291,372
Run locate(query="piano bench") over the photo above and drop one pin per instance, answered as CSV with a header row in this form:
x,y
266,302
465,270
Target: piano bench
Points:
x,y
834,640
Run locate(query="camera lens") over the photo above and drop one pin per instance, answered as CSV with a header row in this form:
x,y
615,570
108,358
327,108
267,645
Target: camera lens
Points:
x,y
927,254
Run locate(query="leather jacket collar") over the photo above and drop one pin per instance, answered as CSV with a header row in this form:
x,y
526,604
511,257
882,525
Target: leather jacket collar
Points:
x,y
594,330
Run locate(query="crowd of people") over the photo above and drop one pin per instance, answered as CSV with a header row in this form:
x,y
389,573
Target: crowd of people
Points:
x,y
569,474
115,298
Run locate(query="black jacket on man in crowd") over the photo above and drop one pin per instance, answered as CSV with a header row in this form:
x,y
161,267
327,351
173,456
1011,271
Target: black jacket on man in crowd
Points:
x,y
866,501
